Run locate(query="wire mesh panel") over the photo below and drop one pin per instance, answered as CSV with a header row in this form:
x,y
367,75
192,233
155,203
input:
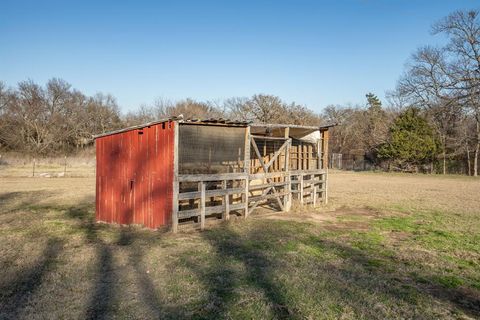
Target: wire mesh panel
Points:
x,y
210,149
267,149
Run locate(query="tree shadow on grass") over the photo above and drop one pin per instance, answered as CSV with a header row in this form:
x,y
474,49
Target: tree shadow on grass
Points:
x,y
151,297
371,273
16,293
360,282
21,200
222,280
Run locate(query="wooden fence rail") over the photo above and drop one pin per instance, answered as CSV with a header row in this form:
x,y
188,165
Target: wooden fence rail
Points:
x,y
309,187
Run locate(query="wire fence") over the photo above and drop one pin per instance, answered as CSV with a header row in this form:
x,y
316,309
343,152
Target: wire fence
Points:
x,y
46,167
361,162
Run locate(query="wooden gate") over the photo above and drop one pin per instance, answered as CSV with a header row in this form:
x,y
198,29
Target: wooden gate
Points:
x,y
271,181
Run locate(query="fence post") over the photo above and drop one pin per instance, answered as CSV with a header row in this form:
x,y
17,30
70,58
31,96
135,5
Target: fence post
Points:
x,y
246,167
33,173
226,201
202,205
301,189
176,185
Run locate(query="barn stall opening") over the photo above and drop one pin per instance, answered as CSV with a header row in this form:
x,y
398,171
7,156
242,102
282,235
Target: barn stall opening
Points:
x,y
173,171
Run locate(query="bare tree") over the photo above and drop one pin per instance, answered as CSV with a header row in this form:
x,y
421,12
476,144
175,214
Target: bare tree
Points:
x,y
463,30
428,83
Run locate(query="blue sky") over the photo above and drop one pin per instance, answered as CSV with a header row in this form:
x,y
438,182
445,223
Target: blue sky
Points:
x,y
312,52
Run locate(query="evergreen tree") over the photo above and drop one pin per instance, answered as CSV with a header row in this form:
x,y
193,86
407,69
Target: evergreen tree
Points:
x,y
412,141
375,127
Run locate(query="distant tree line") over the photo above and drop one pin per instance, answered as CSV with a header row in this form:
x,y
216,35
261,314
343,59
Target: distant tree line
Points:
x,y
433,118
431,122
55,118
43,120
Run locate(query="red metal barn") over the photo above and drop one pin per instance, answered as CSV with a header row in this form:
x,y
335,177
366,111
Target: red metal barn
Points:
x,y
174,172
134,176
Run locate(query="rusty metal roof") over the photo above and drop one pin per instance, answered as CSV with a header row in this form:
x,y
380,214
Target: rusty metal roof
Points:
x,y
180,119
215,121
269,125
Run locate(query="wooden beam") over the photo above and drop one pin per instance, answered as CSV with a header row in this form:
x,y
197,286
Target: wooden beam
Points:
x,y
202,205
325,165
325,149
301,189
276,154
259,155
212,177
288,198
226,201
246,169
268,138
209,193
175,179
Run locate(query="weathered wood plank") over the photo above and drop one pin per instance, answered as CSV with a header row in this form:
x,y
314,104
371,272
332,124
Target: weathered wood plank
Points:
x,y
301,189
212,177
246,170
267,175
266,185
209,193
175,179
202,205
268,196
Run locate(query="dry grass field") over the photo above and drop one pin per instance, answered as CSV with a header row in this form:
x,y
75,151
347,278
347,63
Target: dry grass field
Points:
x,y
386,246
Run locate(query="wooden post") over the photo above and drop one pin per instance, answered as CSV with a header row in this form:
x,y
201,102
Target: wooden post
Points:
x,y
175,179
202,205
325,165
305,156
325,149
325,186
314,196
301,189
33,172
288,187
319,154
246,168
226,202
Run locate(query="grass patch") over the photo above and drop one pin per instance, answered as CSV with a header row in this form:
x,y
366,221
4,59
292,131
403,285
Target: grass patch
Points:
x,y
415,262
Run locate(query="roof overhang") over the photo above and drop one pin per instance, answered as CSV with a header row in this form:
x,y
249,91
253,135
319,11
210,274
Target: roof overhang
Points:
x,y
260,128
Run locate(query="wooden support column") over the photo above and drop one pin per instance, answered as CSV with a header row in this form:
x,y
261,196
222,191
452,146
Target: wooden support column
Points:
x,y
325,149
226,202
175,179
301,189
246,169
202,204
288,187
314,196
319,154
325,165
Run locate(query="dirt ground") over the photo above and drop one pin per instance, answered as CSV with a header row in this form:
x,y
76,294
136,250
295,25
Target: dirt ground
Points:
x,y
386,246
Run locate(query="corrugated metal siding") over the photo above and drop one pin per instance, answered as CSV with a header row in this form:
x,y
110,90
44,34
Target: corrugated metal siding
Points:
x,y
135,176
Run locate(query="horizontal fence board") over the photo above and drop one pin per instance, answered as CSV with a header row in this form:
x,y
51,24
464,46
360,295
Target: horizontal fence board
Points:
x,y
267,185
209,193
212,177
268,196
184,214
